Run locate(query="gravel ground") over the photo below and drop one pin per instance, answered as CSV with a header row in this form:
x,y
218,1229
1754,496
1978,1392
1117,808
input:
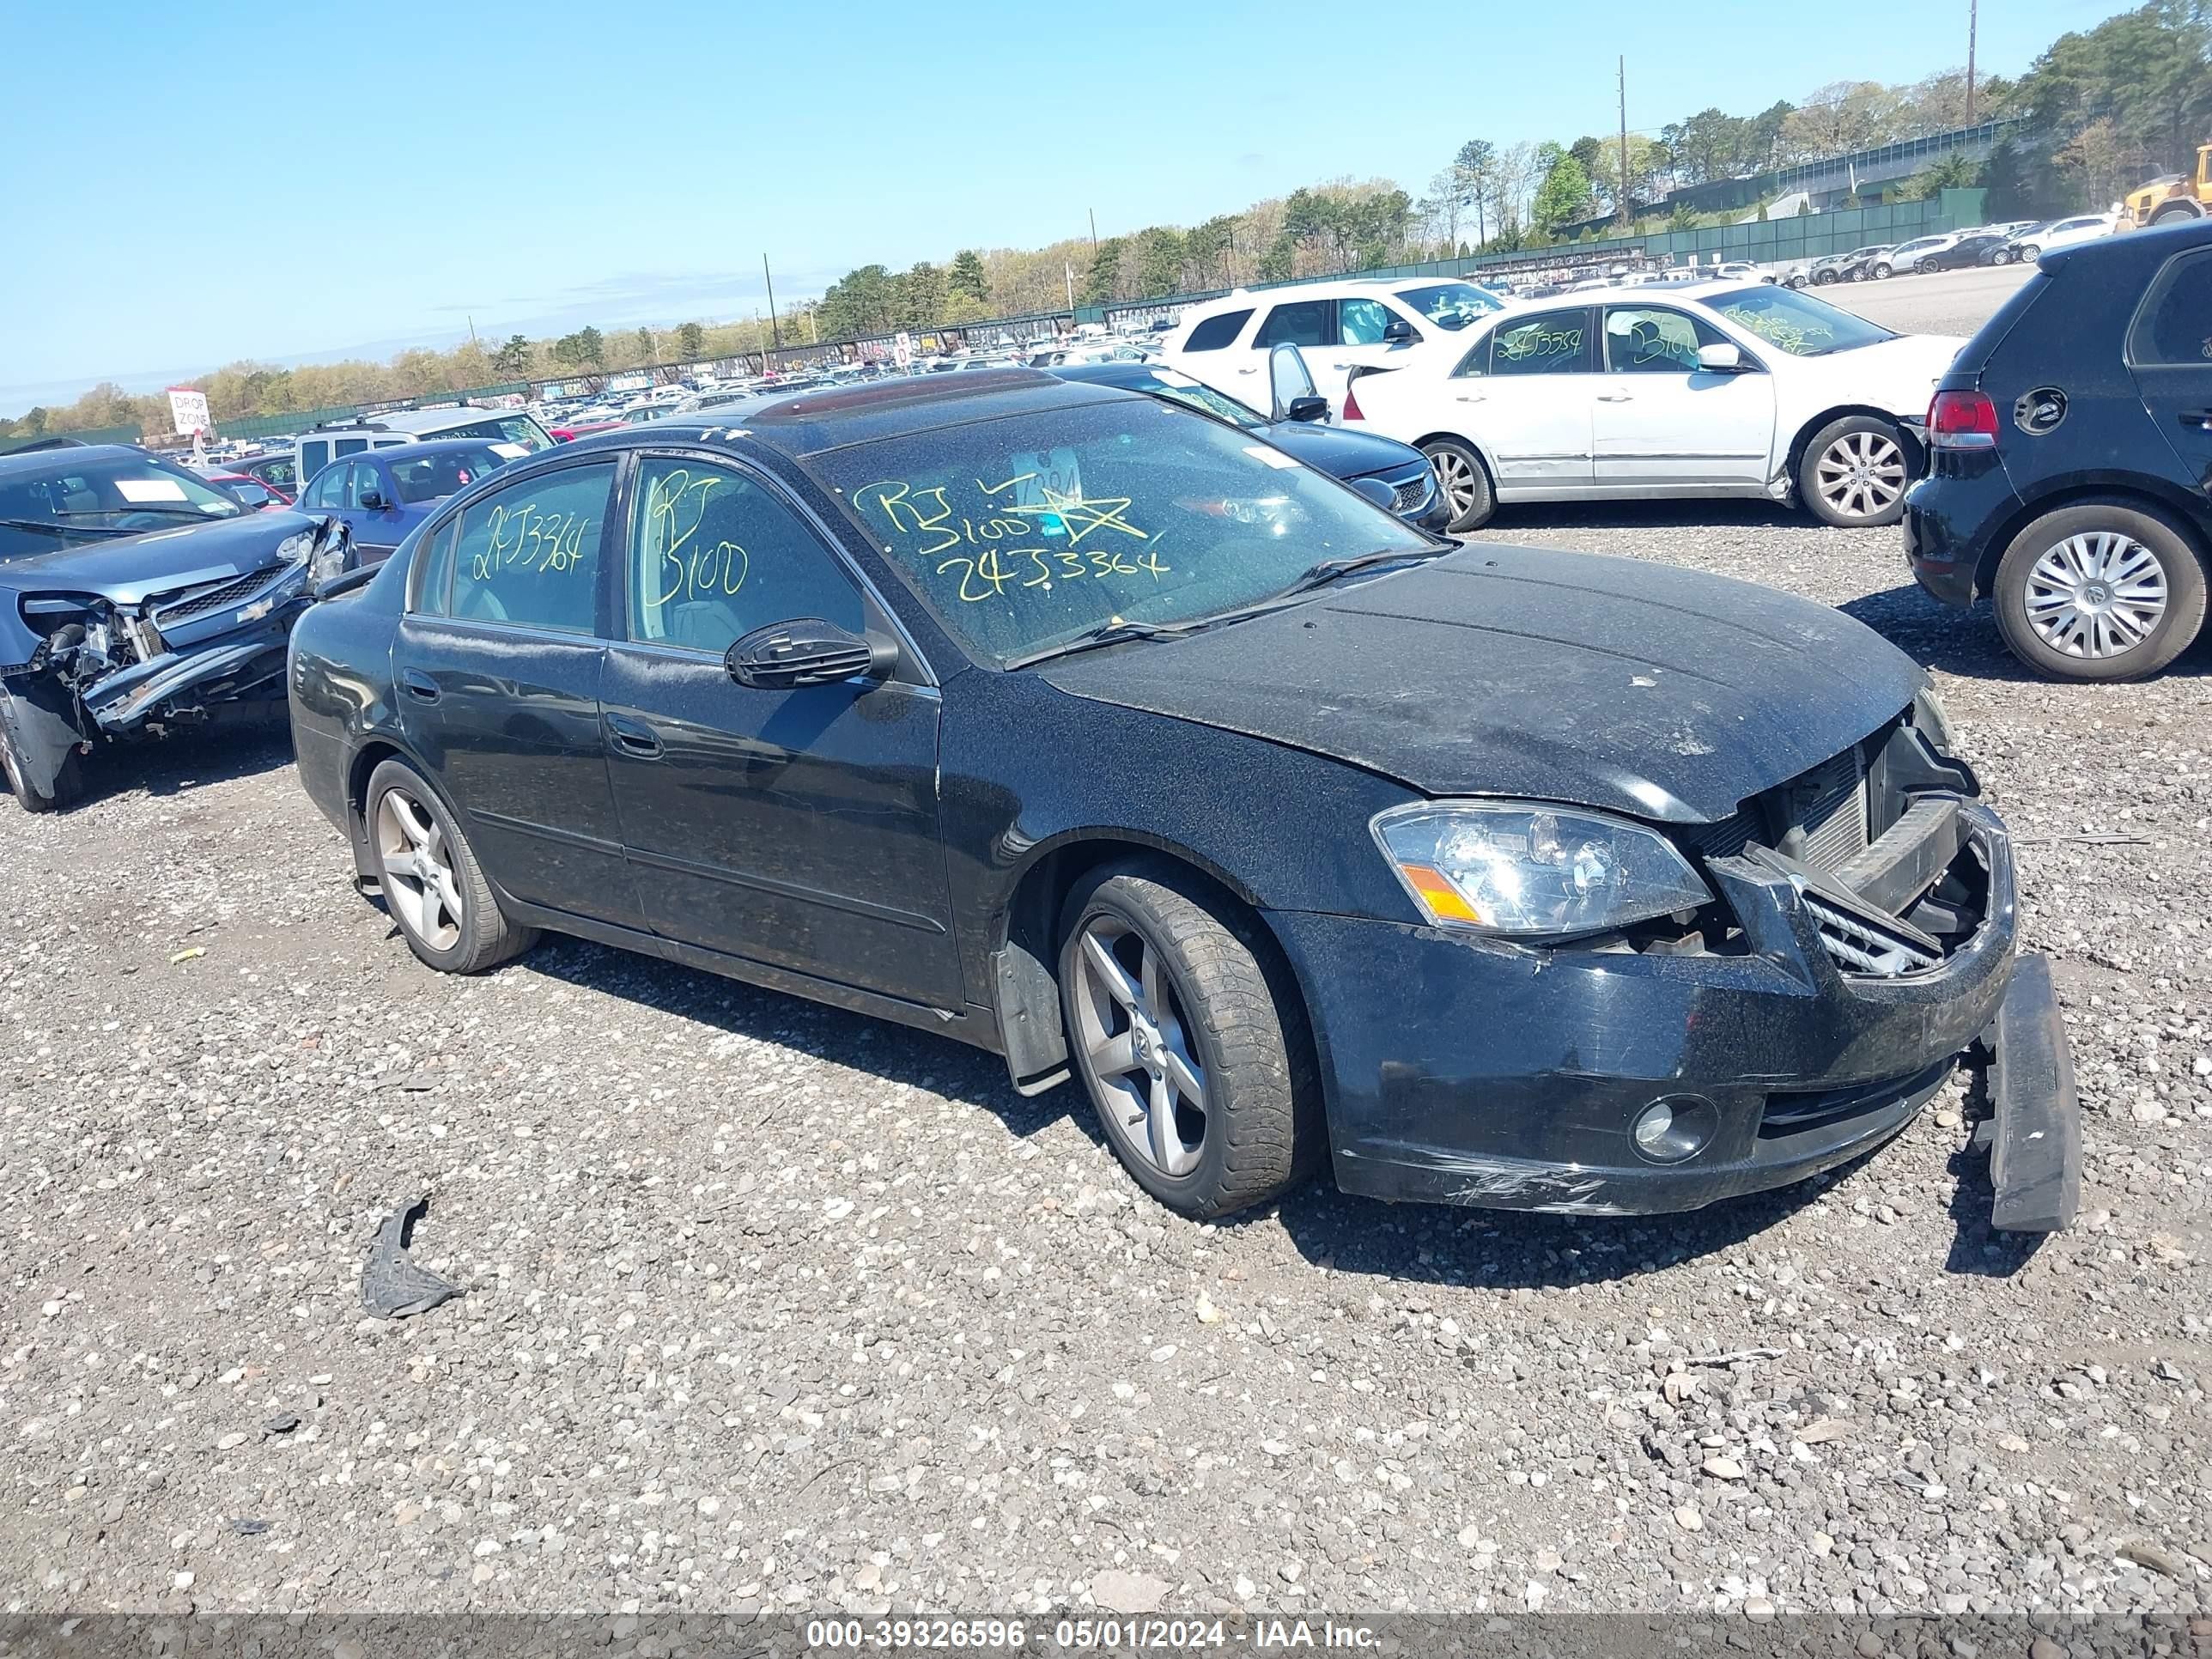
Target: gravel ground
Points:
x,y
768,1305
1941,302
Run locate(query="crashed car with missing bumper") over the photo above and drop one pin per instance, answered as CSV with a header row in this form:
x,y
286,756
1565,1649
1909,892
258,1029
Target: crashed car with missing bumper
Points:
x,y
136,596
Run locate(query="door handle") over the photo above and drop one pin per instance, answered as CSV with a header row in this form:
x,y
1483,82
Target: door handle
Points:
x,y
1615,397
1470,397
632,738
2198,417
420,686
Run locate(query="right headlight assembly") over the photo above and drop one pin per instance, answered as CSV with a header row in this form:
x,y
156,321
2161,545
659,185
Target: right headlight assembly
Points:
x,y
1524,869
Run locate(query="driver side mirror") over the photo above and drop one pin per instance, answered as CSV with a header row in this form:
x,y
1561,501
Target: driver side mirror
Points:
x,y
1306,409
372,500
1399,332
1725,358
807,651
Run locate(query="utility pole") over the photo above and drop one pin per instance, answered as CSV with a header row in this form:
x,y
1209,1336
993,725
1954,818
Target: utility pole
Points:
x,y
1093,212
1627,216
776,334
472,321
1972,8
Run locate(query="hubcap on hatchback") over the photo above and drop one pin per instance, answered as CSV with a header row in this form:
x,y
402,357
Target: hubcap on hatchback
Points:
x,y
2096,595
1131,1035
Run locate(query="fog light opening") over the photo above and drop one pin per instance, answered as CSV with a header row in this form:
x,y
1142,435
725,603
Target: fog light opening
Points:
x,y
1673,1128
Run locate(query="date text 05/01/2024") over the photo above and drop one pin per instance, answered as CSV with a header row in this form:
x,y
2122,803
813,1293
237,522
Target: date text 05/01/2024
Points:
x,y
1109,1634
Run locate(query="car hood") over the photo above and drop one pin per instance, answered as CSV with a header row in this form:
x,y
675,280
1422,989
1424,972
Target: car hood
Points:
x,y
1342,454
126,569
1633,687
1898,375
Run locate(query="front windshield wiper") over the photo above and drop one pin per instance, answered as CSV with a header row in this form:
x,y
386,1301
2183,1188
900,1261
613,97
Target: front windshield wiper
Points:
x,y
1113,631
49,527
1329,571
146,507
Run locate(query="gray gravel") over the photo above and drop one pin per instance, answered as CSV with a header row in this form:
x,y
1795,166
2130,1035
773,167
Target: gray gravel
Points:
x,y
769,1305
1940,302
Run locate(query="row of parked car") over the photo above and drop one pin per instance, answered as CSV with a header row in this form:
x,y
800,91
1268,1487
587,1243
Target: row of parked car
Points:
x,y
2063,460
2020,242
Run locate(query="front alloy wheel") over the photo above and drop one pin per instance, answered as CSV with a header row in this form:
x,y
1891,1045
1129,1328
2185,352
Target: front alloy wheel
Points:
x,y
1854,473
1136,1055
1186,1033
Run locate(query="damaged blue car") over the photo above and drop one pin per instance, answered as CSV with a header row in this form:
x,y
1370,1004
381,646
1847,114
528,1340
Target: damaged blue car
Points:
x,y
136,597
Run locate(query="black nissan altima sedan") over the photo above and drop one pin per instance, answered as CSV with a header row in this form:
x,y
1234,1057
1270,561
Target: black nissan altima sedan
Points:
x,y
1110,739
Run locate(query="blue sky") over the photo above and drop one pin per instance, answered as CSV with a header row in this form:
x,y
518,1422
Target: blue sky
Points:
x,y
317,180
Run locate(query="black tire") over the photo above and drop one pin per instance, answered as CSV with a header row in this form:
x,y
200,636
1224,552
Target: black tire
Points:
x,y
1850,428
1451,457
1235,1011
22,725
2178,561
1882,272
1823,278
482,936
2173,211
2002,257
2030,254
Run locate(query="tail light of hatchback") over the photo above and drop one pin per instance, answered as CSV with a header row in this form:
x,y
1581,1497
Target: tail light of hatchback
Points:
x,y
1962,420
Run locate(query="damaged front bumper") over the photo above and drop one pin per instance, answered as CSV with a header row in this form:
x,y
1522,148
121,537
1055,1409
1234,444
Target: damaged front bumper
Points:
x,y
1462,1070
104,667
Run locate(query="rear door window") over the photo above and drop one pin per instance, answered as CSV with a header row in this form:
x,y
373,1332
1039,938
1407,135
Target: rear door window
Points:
x,y
1215,333
2173,325
1300,323
1361,322
1551,343
327,494
529,555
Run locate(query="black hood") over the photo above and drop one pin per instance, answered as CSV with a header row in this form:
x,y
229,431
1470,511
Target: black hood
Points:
x,y
1339,453
1633,687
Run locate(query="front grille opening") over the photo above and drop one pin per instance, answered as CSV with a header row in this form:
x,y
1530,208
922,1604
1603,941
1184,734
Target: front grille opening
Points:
x,y
212,599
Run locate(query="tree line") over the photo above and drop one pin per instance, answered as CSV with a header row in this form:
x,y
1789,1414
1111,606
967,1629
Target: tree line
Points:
x,y
2103,109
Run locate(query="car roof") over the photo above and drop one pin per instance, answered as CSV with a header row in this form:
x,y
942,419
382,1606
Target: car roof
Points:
x,y
2148,247
417,452
18,461
832,418
421,419
1124,373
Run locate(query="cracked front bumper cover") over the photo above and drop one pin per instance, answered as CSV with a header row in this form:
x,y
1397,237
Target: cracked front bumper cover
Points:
x,y
1462,1071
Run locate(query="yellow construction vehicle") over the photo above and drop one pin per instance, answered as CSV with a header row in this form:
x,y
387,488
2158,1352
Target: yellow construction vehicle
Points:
x,y
2176,196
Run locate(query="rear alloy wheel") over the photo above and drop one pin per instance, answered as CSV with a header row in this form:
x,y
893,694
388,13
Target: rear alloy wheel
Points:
x,y
1463,481
1179,1040
1853,473
2002,257
1880,272
2099,591
430,879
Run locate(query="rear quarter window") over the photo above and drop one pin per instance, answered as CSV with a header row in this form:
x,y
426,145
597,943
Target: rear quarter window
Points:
x,y
1215,333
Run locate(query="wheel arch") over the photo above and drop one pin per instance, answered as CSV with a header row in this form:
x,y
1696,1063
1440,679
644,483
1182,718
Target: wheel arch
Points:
x,y
2175,512
1025,939
1916,454
1480,451
374,751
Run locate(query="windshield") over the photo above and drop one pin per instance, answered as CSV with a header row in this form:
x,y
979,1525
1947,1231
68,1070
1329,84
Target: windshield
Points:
x,y
1027,531
427,477
1796,322
1450,305
83,495
507,429
1168,383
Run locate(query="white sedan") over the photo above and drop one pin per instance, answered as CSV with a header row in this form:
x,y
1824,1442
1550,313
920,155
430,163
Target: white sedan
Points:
x,y
1714,389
